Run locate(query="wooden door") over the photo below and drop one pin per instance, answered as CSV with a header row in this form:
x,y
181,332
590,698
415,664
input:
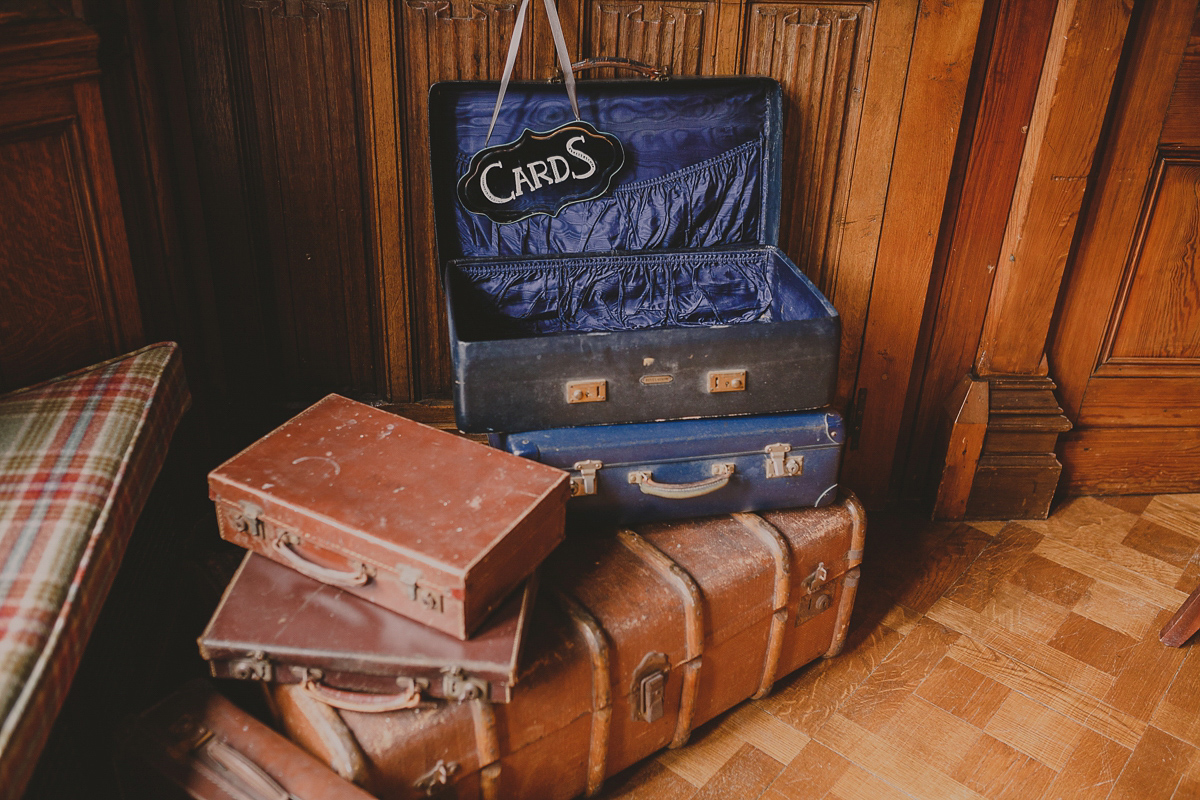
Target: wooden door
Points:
x,y
1126,352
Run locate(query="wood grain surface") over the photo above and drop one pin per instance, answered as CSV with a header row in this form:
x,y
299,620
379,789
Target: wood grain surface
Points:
x,y
999,660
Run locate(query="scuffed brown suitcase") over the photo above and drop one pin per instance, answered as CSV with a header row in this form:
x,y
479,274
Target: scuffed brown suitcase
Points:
x,y
635,640
278,626
198,744
422,522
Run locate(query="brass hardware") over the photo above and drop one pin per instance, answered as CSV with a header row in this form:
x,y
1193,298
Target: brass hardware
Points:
x,y
780,465
255,667
246,519
814,582
587,391
651,688
656,380
732,380
428,599
438,776
585,481
456,685
813,604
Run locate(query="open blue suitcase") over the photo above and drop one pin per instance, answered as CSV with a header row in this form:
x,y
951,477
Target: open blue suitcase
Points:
x,y
665,299
692,468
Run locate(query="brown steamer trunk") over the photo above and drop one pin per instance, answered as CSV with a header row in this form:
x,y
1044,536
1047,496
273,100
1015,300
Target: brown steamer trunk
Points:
x,y
635,640
198,744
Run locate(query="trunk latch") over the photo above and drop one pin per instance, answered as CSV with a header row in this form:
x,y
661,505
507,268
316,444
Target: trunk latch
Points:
x,y
780,465
650,695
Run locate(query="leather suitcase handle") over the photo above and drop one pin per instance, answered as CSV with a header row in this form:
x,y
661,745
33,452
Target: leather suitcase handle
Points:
x,y
617,62
250,780
683,491
348,700
359,577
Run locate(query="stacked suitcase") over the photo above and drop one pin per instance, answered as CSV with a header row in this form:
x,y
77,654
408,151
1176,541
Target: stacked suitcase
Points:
x,y
653,342
650,355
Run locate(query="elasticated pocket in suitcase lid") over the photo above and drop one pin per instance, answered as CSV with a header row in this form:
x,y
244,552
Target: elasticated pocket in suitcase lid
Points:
x,y
702,165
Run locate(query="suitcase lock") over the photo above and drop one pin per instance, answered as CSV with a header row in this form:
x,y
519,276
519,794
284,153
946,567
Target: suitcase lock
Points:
x,y
246,519
780,465
585,481
457,685
649,687
254,667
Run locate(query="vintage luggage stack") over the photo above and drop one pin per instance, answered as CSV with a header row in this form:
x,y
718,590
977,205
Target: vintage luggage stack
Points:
x,y
652,341
738,601
646,350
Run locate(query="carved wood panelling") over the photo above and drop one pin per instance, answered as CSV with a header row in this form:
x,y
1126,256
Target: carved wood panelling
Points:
x,y
444,40
54,301
1156,324
676,35
294,75
818,52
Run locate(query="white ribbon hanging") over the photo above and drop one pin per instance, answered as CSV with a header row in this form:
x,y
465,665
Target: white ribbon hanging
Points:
x,y
560,46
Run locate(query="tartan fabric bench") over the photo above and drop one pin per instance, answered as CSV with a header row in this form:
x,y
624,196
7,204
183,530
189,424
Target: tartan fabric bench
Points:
x,y
78,456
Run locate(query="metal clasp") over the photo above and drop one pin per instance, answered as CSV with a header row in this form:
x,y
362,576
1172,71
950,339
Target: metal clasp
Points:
x,y
585,481
651,688
814,582
254,667
429,599
246,519
457,685
592,390
733,380
780,465
438,776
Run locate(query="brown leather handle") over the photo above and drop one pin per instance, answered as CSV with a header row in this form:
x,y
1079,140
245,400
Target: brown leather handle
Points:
x,y
236,773
616,62
348,700
357,577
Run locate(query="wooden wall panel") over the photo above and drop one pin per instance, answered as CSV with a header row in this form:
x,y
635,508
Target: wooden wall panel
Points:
x,y
1158,313
67,295
295,72
680,36
443,40
943,46
819,53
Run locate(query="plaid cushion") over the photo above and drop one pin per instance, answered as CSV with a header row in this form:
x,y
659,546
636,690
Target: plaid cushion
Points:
x,y
78,455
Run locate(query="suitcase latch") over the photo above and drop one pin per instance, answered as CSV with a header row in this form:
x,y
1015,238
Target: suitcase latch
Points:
x,y
730,380
813,583
457,685
780,464
246,519
585,481
591,390
650,695
426,598
254,667
431,781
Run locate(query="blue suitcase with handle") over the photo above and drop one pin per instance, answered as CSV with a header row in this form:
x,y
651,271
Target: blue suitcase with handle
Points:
x,y
691,468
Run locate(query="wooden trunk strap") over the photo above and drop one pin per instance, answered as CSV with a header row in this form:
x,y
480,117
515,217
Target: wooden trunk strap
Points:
x,y
487,746
693,616
858,532
845,606
781,551
597,645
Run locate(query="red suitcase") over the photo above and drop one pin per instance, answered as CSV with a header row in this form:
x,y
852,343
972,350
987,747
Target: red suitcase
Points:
x,y
422,522
635,640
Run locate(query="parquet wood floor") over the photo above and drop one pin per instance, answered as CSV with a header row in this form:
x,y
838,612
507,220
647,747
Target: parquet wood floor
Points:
x,y
1009,661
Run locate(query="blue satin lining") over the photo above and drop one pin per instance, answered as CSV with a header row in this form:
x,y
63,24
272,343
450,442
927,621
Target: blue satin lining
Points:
x,y
713,202
621,292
